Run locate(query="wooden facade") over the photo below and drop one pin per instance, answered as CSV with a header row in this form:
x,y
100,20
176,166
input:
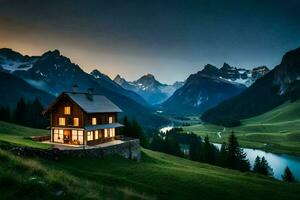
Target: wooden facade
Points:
x,y
71,124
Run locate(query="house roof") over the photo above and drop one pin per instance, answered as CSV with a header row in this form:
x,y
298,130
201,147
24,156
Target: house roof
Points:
x,y
96,104
102,126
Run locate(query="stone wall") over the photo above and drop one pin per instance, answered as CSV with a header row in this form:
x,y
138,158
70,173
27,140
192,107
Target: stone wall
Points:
x,y
129,149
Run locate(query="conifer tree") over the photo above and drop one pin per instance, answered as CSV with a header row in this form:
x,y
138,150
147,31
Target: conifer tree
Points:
x,y
288,175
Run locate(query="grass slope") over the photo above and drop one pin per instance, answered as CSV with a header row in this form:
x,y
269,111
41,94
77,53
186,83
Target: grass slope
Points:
x,y
157,176
19,135
277,130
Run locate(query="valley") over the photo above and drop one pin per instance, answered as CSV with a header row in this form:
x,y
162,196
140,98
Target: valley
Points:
x,y
275,131
156,176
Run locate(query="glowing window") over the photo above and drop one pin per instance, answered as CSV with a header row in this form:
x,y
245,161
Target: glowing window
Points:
x,y
76,121
74,135
67,110
89,136
110,120
62,121
105,133
94,121
96,135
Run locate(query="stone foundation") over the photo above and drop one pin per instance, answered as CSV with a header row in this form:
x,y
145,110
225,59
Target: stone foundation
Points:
x,y
129,149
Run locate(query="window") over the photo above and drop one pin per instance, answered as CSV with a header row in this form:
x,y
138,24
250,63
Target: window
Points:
x,y
94,121
110,120
89,136
96,135
58,135
105,133
80,137
62,121
112,132
67,110
74,135
76,121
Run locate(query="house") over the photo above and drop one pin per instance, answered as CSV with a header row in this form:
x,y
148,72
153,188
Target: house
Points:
x,y
82,119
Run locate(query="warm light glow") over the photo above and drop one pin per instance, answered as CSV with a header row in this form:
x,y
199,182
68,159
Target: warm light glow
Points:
x,y
96,135
89,136
110,120
62,121
67,110
105,133
76,121
94,121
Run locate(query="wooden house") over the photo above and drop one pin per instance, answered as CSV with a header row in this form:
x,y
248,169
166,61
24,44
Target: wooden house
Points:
x,y
82,119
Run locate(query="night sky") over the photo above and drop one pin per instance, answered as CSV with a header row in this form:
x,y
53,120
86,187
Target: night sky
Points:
x,y
170,39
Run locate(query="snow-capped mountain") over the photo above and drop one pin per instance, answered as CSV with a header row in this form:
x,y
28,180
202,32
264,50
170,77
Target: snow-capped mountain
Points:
x,y
149,88
239,75
200,92
54,73
276,87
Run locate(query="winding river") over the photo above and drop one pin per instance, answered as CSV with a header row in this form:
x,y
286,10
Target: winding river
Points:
x,y
278,162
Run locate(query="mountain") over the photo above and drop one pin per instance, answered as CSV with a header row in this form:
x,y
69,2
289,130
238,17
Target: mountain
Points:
x,y
54,73
13,88
149,88
236,75
106,82
201,91
277,86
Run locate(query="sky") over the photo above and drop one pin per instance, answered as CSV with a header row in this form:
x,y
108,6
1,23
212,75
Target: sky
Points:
x,y
169,38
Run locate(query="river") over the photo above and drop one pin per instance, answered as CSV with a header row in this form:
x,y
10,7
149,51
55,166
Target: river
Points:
x,y
277,162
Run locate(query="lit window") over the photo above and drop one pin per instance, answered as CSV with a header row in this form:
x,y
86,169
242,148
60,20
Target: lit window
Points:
x,y
89,136
76,121
96,135
62,121
67,110
74,135
105,133
112,132
94,121
110,120
80,137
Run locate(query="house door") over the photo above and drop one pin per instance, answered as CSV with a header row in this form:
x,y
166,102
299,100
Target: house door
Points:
x,y
67,136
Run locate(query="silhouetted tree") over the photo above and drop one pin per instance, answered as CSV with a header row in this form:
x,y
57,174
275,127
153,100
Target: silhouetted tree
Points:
x,y
20,112
5,114
236,157
208,151
157,143
223,155
261,166
195,147
126,128
288,176
172,146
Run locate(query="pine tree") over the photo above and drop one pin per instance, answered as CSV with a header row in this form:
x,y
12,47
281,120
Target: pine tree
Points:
x,y
127,127
20,112
5,114
207,153
172,146
257,165
195,147
223,155
237,159
288,176
265,167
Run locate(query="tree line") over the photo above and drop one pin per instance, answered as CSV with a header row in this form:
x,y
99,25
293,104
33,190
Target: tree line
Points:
x,y
229,155
27,113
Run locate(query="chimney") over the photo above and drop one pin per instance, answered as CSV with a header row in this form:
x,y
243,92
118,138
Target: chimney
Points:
x,y
89,94
75,88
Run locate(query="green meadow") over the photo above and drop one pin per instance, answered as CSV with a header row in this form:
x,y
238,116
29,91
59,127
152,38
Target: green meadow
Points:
x,y
277,130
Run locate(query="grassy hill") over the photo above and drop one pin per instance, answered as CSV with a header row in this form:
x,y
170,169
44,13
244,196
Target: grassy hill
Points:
x,y
19,135
157,176
277,130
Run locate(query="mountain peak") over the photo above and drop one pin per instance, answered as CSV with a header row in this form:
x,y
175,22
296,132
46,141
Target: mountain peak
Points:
x,y
54,53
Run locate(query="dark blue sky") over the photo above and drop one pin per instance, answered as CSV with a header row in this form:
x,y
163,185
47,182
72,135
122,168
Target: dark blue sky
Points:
x,y
170,39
